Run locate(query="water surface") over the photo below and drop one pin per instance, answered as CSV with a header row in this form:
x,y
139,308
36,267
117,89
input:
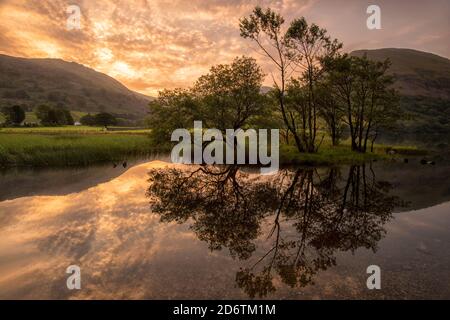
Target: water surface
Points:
x,y
159,231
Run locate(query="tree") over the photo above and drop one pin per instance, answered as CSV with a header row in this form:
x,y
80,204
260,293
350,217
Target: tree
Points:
x,y
172,109
45,115
19,114
301,49
63,117
49,116
60,115
342,80
310,46
105,119
68,118
14,115
378,102
229,95
264,28
331,111
364,88
87,120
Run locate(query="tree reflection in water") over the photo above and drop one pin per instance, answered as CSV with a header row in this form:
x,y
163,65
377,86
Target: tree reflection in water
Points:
x,y
306,216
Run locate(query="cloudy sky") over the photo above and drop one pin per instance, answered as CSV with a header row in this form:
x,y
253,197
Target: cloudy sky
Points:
x,y
153,44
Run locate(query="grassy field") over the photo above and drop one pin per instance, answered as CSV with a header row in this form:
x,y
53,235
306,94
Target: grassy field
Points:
x,y
71,130
79,146
329,154
70,149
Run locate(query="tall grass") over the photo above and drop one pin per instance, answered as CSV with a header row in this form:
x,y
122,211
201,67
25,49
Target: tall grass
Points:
x,y
70,150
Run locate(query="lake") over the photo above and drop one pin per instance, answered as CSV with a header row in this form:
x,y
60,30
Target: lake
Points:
x,y
154,230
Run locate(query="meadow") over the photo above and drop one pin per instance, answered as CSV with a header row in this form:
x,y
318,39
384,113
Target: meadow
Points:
x,y
69,147
82,145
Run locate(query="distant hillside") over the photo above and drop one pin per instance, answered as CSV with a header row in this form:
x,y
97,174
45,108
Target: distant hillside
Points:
x,y
418,73
30,82
423,80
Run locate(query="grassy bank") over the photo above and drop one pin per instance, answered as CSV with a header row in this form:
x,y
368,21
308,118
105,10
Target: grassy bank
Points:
x,y
79,146
329,155
70,149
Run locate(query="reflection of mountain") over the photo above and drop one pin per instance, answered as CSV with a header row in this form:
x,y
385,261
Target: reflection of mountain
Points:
x,y
23,183
17,183
422,186
306,217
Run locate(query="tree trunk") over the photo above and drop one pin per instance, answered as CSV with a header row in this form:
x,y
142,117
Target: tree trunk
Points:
x,y
373,141
350,124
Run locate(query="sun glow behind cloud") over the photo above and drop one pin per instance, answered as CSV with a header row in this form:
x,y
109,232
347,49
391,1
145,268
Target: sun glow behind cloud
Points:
x,y
153,44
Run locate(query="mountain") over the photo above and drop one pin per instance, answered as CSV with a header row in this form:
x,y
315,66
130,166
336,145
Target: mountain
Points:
x,y
417,73
423,80
29,82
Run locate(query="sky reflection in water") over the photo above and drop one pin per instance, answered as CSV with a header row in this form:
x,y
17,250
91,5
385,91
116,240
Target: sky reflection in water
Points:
x,y
230,234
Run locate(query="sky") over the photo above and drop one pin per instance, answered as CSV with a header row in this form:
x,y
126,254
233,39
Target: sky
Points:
x,y
149,45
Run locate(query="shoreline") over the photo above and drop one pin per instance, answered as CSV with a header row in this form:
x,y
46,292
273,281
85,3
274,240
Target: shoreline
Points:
x,y
72,150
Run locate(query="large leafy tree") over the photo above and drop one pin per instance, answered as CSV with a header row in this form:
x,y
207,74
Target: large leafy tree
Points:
x,y
230,94
228,97
172,109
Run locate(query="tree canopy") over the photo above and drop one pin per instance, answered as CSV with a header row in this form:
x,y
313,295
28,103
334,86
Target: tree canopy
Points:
x,y
53,116
14,115
101,119
317,90
228,97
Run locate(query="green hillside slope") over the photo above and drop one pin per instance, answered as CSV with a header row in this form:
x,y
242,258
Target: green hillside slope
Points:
x,y
30,82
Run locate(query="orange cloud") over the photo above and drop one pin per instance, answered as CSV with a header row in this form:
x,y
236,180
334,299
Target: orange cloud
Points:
x,y
153,44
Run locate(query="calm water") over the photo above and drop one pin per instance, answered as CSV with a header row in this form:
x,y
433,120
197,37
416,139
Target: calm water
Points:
x,y
158,231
